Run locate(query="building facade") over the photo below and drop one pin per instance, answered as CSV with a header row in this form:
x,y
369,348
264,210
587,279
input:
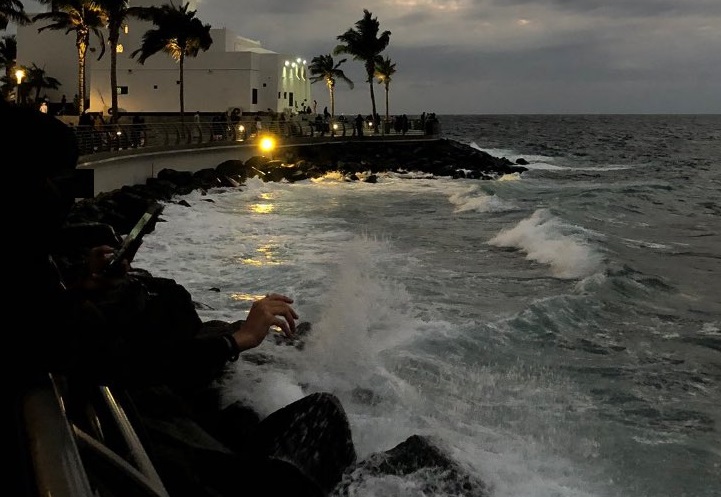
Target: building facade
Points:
x,y
235,73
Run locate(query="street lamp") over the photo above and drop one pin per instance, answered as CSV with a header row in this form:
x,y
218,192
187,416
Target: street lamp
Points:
x,y
19,75
267,144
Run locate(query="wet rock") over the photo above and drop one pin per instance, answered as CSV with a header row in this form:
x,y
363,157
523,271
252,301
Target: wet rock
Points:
x,y
419,459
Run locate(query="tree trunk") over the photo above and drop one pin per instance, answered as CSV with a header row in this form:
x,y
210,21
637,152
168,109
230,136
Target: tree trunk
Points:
x,y
388,116
370,69
182,95
82,47
332,110
114,76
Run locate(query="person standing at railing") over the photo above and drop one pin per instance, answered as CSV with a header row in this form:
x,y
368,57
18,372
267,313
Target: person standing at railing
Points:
x,y
359,125
217,127
137,131
86,123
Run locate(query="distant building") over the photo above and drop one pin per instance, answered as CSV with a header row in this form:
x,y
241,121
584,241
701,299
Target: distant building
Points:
x,y
235,72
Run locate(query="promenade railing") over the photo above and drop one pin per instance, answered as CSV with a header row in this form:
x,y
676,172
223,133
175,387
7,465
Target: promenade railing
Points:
x,y
116,137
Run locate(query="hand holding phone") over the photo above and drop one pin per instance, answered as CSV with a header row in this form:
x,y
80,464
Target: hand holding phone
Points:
x,y
132,242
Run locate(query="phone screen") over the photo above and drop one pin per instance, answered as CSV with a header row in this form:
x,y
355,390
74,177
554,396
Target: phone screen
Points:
x,y
132,241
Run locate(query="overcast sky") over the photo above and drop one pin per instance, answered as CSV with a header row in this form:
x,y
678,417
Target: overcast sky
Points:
x,y
506,56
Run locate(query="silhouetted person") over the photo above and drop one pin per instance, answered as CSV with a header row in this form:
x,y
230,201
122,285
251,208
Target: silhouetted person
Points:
x,y
359,125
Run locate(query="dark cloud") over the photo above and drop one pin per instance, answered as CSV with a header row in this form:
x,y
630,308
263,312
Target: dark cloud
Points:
x,y
251,8
626,8
505,56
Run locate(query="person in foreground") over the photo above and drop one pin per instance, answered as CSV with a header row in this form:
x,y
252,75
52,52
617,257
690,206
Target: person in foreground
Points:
x,y
142,335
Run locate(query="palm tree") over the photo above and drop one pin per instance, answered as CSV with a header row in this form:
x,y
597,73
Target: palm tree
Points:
x,y
37,80
364,44
324,68
385,69
85,18
8,54
178,33
12,11
116,12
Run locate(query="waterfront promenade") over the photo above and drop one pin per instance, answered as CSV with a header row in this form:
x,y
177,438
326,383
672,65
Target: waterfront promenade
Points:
x,y
129,154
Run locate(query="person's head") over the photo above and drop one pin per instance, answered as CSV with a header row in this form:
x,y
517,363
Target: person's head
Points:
x,y
46,152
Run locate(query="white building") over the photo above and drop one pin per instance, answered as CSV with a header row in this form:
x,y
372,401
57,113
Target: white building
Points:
x,y
235,72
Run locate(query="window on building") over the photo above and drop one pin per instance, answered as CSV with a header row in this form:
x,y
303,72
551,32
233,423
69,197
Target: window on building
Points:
x,y
290,99
285,94
121,90
255,96
278,95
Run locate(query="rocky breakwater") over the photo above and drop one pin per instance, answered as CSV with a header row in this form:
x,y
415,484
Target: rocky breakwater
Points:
x,y
109,216
360,160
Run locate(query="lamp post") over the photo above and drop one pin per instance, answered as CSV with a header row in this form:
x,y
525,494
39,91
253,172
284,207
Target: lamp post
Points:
x,y
19,75
267,144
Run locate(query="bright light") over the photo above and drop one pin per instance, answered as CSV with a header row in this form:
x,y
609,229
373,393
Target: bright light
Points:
x,y
287,63
241,128
298,60
267,144
19,75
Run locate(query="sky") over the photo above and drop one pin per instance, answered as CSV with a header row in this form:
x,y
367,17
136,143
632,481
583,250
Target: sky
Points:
x,y
505,56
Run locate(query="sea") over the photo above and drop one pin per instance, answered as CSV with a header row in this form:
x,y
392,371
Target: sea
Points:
x,y
557,332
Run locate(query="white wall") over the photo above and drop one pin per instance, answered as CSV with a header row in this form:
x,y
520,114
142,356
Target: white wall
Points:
x,y
215,81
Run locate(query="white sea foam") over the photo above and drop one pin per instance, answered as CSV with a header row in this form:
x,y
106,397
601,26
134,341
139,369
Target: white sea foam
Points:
x,y
474,199
547,240
630,242
545,166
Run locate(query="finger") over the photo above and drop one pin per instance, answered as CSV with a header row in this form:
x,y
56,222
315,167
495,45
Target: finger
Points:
x,y
278,296
283,325
283,309
290,317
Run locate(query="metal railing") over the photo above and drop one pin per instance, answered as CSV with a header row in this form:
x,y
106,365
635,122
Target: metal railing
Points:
x,y
117,137
69,461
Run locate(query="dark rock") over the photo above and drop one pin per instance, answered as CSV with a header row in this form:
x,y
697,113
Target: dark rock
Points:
x,y
417,458
208,178
233,168
180,178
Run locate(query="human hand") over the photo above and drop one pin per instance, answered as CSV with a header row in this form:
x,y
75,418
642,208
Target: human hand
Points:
x,y
272,310
98,258
97,262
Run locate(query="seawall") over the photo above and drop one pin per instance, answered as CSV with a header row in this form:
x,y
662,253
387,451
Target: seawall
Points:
x,y
113,170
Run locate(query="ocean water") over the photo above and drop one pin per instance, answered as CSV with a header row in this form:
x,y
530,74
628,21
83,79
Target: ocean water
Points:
x,y
558,332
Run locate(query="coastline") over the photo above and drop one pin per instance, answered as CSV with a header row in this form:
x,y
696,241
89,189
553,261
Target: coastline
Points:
x,y
358,160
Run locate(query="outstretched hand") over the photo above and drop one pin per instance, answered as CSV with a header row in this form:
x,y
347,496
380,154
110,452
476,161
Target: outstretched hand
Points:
x,y
272,310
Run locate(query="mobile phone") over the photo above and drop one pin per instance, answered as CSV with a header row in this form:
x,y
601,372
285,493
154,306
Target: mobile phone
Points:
x,y
132,241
